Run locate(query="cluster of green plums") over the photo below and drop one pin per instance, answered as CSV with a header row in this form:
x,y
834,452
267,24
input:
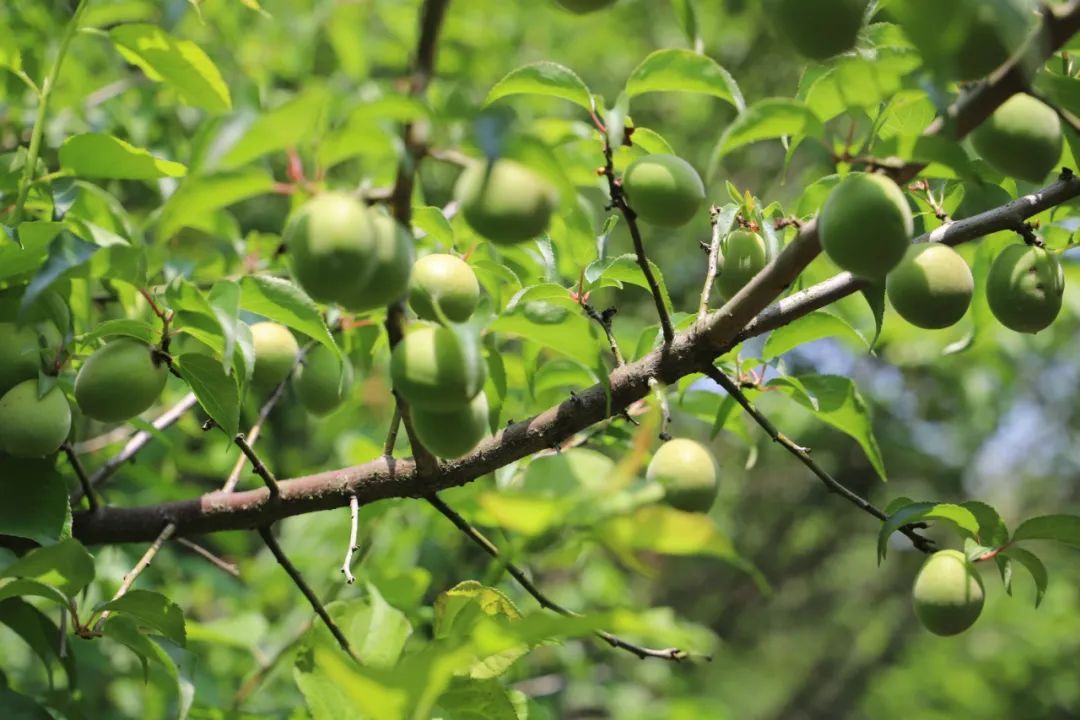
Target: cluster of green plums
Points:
x,y
116,382
990,30
865,227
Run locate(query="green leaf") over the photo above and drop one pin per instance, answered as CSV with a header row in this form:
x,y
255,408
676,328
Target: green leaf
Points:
x,y
67,566
875,297
816,325
376,630
40,633
23,587
556,323
686,11
543,78
21,707
767,120
97,155
1034,566
179,63
124,630
284,302
677,70
35,502
35,238
958,516
225,302
471,699
217,392
1063,528
127,327
992,529
152,610
625,269
651,142
450,618
836,401
198,196
665,530
433,224
66,252
293,124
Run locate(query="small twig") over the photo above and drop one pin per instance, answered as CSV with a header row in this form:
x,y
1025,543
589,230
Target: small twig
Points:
x,y
545,602
619,201
391,435
137,442
604,320
80,472
260,420
714,260
219,563
803,454
665,408
144,562
354,519
924,187
271,542
258,467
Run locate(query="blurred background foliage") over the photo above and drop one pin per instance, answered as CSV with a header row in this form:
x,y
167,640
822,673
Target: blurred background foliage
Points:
x,y
818,630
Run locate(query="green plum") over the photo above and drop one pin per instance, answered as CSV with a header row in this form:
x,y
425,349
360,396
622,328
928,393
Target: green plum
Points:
x,y
1024,287
32,426
948,593
664,190
686,471
1021,139
119,381
446,281
322,381
452,433
435,369
275,354
866,225
505,202
743,254
932,286
822,28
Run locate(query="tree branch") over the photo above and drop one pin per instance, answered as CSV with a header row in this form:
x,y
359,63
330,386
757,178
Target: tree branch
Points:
x,y
522,579
80,473
803,455
688,352
354,521
713,262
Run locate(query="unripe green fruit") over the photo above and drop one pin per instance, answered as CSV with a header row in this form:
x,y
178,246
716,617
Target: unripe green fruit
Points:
x,y
1021,139
33,427
585,6
948,593
19,355
664,190
446,281
965,39
742,256
452,433
1024,288
331,241
865,225
931,287
685,470
822,28
119,381
392,263
275,353
433,369
323,380
505,202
